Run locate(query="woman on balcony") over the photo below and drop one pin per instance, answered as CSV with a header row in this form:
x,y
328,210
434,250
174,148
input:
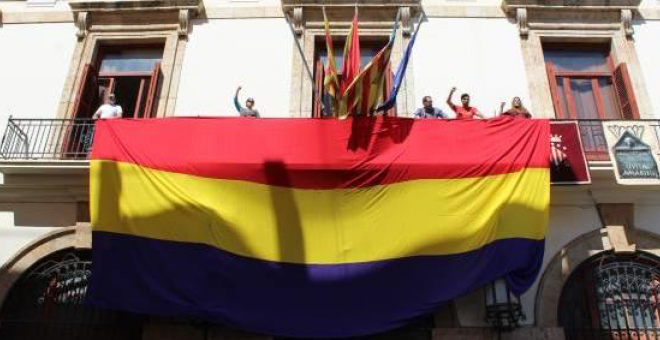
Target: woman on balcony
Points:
x,y
517,109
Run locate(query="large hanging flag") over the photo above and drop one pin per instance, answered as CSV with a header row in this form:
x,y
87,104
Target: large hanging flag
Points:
x,y
367,88
351,67
378,222
331,83
401,71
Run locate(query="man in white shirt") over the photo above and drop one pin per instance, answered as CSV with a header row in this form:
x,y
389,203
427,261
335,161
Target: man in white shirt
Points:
x,y
109,110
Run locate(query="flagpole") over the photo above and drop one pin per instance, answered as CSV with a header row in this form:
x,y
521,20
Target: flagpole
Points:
x,y
302,56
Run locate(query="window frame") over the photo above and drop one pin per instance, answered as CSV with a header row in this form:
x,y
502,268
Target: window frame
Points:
x,y
553,72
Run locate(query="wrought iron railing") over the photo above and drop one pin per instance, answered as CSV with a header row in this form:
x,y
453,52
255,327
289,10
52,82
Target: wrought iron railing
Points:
x,y
594,144
47,139
71,139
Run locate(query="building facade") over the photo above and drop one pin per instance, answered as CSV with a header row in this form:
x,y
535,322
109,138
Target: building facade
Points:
x,y
585,60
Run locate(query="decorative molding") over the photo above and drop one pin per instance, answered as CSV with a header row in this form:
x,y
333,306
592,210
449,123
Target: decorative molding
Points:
x,y
626,22
289,4
82,25
406,23
298,20
574,4
134,5
184,18
521,19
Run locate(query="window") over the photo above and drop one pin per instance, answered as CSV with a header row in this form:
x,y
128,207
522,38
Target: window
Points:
x,y
131,73
612,296
46,302
586,85
368,49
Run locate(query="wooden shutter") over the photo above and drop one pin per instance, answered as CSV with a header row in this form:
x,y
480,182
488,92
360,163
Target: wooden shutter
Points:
x,y
317,111
152,93
624,93
87,93
554,91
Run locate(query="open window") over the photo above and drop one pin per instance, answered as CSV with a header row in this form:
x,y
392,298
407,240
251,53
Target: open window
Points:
x,y
586,85
131,73
368,49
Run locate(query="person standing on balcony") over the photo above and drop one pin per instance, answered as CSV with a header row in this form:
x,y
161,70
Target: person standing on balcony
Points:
x,y
465,111
247,111
428,111
109,110
517,109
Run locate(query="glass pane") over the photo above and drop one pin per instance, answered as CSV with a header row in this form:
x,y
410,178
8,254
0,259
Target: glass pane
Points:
x,y
366,53
583,97
132,60
562,99
609,99
577,61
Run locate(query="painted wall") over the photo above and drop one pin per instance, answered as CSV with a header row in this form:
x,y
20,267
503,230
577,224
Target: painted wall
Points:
x,y
222,54
648,51
479,56
34,61
22,223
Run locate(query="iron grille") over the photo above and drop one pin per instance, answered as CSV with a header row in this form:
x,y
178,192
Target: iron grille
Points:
x,y
612,297
47,303
47,139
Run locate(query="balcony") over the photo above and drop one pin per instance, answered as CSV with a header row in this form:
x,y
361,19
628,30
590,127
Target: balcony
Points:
x,y
70,140
47,139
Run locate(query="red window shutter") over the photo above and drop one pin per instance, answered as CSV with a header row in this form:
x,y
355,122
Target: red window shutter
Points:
x,y
317,111
624,93
152,93
554,91
87,93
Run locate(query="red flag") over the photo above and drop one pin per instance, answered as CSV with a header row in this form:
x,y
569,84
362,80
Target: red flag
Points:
x,y
351,67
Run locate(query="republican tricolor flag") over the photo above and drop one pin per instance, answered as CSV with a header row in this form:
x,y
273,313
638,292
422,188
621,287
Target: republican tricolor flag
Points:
x,y
313,228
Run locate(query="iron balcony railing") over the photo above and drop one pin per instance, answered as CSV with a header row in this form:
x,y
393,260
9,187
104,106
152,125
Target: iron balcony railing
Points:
x,y
71,139
47,139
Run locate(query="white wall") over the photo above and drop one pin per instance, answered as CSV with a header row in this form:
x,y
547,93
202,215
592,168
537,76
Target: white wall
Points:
x,y
482,57
222,54
34,61
647,45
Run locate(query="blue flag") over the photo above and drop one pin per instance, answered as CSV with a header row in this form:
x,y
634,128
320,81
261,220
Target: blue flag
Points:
x,y
400,72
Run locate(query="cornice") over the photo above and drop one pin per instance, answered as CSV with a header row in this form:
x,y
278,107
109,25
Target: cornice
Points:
x,y
134,5
573,4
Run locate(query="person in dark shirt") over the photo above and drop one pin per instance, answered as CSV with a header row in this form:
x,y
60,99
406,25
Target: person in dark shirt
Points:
x,y
517,109
247,111
428,111
465,111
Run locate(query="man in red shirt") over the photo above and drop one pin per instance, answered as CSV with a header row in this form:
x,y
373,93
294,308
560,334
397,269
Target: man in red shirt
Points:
x,y
465,111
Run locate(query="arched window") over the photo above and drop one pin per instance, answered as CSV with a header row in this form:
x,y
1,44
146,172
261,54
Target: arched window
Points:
x,y
46,302
612,296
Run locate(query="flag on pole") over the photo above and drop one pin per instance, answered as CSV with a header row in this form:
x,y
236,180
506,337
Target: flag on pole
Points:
x,y
351,67
331,83
401,71
367,88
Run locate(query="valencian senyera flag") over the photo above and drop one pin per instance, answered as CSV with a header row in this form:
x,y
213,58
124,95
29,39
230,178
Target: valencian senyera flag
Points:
x,y
331,82
366,90
313,228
